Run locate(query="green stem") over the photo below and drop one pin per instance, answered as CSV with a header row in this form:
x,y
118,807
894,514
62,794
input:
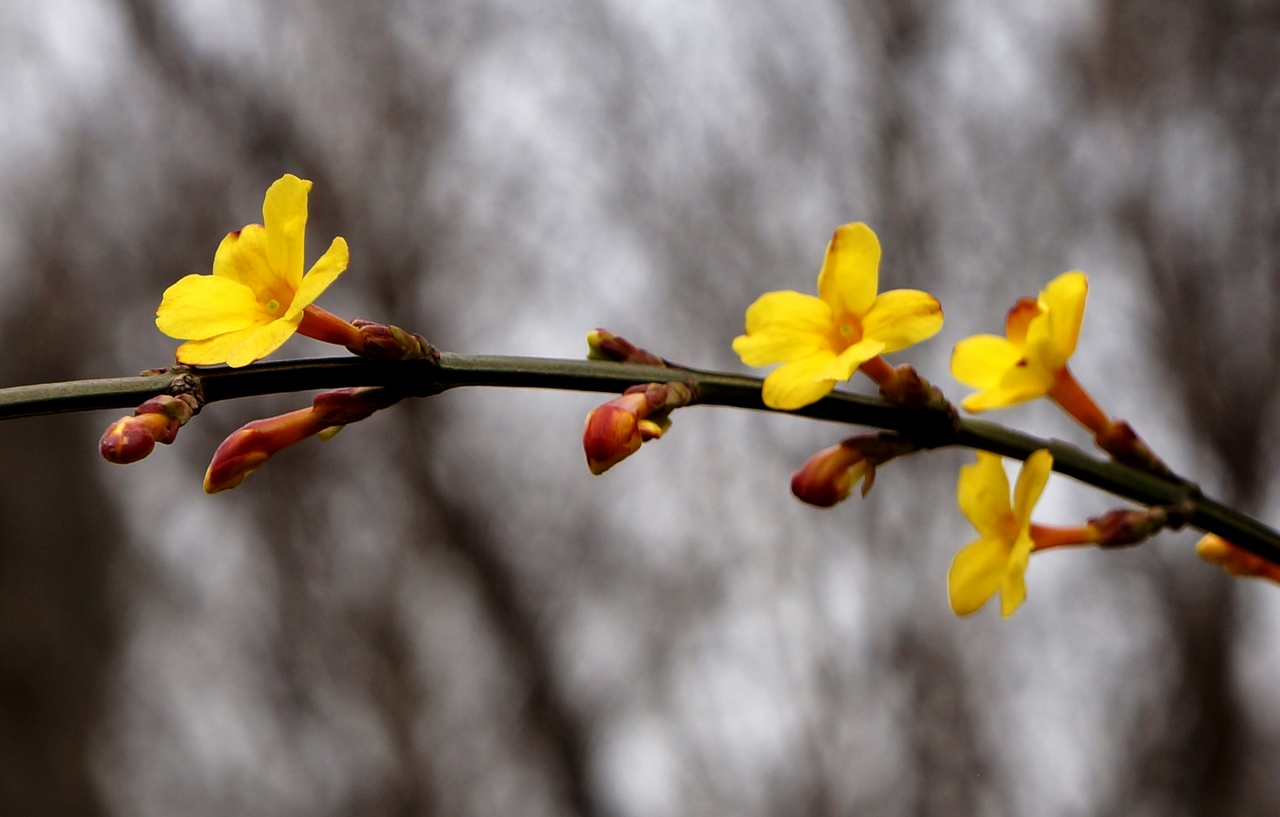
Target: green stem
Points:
x,y
931,428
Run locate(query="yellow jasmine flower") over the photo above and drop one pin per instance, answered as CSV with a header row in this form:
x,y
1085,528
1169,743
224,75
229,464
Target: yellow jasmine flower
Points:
x,y
997,559
1031,361
254,300
822,340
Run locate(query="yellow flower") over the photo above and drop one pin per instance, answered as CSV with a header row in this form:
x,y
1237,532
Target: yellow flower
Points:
x,y
997,559
1031,361
254,299
822,340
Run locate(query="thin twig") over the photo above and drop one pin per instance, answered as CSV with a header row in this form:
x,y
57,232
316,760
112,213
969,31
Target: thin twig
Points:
x,y
933,429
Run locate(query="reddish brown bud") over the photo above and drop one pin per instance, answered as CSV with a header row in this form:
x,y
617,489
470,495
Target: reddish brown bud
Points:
x,y
615,430
253,444
130,439
612,431
604,345
828,477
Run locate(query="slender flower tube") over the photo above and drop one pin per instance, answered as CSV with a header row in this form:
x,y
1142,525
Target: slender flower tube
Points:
x,y
257,295
823,340
997,559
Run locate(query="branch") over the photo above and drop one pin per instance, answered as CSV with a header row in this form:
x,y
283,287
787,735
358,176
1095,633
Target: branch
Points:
x,y
421,378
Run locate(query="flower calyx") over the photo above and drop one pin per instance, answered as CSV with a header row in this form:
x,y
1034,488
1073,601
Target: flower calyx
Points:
x,y
130,439
827,478
367,339
254,443
1124,528
616,430
604,345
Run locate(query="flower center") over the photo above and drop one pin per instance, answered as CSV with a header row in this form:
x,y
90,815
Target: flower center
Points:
x,y
848,331
273,305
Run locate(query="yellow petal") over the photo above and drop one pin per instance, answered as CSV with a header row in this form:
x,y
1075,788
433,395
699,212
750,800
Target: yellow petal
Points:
x,y
850,273
983,494
323,272
284,213
1031,481
791,310
902,317
793,385
201,306
1013,589
848,361
783,326
1000,398
976,573
242,257
982,360
263,341
1064,299
214,350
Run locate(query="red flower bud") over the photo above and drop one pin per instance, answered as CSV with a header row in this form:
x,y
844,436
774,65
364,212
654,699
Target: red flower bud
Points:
x,y
828,477
612,431
253,444
130,439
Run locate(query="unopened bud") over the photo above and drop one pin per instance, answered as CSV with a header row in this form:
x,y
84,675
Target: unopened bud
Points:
x,y
1234,559
253,444
828,477
615,430
130,439
604,345
612,431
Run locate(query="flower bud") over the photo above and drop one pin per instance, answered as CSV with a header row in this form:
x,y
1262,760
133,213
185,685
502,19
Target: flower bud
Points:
x,y
1234,559
612,431
604,345
253,444
130,439
828,477
615,430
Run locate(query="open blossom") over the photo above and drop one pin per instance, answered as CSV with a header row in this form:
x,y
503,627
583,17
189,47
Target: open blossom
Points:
x,y
997,559
1031,360
824,339
254,300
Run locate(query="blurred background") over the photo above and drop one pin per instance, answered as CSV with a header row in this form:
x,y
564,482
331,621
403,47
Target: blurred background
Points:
x,y
440,611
